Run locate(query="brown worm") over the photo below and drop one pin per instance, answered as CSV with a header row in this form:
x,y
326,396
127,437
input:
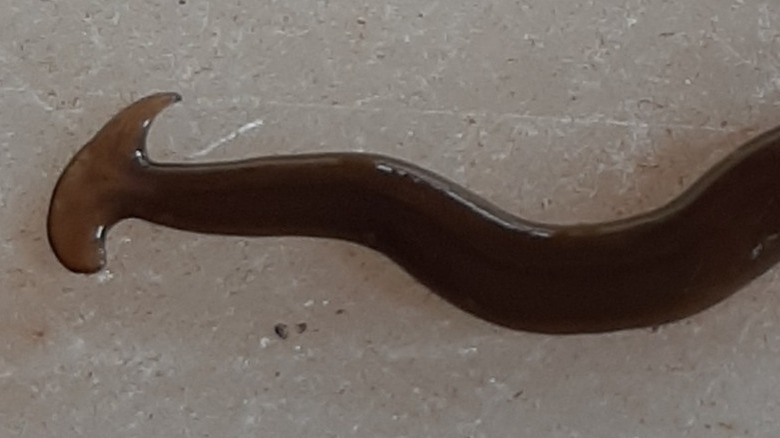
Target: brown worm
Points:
x,y
646,270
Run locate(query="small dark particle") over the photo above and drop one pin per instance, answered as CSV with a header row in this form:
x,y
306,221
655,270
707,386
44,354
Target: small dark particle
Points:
x,y
340,311
667,34
281,330
724,425
517,394
301,327
361,21
182,2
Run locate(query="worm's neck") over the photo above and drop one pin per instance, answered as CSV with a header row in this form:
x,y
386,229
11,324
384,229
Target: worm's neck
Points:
x,y
258,198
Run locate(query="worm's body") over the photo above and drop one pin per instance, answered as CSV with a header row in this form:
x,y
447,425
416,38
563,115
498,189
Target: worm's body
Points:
x,y
642,271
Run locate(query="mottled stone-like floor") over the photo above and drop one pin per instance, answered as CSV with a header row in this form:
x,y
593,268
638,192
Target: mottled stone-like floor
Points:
x,y
561,111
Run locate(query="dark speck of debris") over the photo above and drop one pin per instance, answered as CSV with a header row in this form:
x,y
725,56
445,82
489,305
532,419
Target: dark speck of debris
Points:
x,y
281,330
182,2
340,311
301,327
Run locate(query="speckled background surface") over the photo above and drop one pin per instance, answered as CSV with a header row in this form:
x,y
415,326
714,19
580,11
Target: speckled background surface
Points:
x,y
561,111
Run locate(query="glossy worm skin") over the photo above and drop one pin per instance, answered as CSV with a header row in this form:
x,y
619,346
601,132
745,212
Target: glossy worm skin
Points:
x,y
642,271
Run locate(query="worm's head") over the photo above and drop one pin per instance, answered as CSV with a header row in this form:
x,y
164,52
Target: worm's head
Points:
x,y
88,196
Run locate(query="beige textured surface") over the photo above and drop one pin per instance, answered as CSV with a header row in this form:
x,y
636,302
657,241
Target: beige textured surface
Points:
x,y
557,110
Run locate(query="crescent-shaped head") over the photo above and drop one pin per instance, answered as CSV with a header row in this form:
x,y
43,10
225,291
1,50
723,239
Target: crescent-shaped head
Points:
x,y
86,198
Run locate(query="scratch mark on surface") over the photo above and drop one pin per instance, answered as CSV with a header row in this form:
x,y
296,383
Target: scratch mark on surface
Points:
x,y
228,138
765,32
538,119
730,48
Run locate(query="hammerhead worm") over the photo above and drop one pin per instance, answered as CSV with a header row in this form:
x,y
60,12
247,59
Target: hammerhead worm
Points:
x,y
646,270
